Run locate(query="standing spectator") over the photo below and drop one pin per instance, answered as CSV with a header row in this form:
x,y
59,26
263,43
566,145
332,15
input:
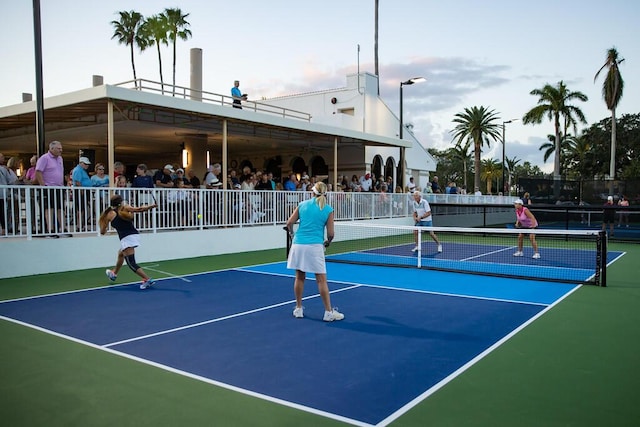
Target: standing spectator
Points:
x,y
212,178
80,178
194,182
122,191
30,176
118,169
526,198
292,183
411,186
365,182
307,249
163,178
100,179
142,179
5,196
423,218
477,192
434,185
608,215
50,173
624,213
390,185
180,177
237,95
233,178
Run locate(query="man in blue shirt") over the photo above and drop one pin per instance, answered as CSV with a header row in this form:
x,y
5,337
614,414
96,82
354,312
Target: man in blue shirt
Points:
x,y
81,198
237,95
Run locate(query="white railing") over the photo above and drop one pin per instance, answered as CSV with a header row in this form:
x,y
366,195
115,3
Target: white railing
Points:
x,y
212,98
32,211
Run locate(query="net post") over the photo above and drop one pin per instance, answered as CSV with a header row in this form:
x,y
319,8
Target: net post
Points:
x,y
601,259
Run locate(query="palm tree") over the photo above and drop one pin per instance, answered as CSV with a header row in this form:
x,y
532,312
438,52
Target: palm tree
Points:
x,y
511,167
553,102
491,170
127,31
177,24
154,30
612,92
461,153
476,123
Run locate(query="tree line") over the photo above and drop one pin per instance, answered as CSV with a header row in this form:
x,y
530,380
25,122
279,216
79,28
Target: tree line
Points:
x,y
578,156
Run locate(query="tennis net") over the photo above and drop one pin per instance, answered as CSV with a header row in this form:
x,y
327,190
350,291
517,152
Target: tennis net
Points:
x,y
571,256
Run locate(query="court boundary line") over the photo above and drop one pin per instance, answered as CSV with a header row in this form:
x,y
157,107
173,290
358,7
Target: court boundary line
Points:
x,y
220,384
433,389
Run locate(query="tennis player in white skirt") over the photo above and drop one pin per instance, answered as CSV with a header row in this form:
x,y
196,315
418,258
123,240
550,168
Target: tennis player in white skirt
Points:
x,y
308,246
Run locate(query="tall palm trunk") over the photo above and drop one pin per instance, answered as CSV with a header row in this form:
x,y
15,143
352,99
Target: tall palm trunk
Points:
x,y
612,162
133,65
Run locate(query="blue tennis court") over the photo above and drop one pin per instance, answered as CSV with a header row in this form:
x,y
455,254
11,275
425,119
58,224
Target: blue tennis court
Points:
x,y
406,332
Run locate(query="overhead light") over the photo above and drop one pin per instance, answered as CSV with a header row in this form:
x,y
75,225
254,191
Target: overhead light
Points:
x,y
185,158
414,80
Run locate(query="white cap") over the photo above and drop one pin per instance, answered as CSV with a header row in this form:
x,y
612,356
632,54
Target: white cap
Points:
x,y
610,198
85,160
170,167
518,202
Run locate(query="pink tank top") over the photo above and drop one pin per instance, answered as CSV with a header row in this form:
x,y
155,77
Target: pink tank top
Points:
x,y
524,220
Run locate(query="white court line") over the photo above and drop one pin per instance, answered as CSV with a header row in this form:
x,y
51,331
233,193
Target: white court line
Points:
x,y
219,319
171,275
194,376
489,253
468,365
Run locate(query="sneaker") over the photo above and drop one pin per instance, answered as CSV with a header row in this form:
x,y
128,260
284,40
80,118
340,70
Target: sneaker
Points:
x,y
536,256
298,312
111,275
414,249
519,253
330,316
439,248
147,283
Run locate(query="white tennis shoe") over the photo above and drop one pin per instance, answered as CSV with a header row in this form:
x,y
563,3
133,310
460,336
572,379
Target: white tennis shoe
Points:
x,y
536,256
147,284
298,312
439,248
111,275
414,249
519,253
330,316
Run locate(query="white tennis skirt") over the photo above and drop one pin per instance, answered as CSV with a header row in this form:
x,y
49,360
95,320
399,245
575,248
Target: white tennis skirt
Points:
x,y
130,241
307,258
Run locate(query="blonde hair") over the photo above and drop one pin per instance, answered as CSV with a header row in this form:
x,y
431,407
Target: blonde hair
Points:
x,y
320,191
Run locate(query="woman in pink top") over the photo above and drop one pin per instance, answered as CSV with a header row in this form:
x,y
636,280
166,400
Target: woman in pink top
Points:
x,y
525,219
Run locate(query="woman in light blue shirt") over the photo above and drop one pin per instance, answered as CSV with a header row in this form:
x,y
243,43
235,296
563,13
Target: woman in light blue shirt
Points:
x,y
307,248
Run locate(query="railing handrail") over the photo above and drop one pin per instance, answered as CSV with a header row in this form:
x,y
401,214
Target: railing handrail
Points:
x,y
212,98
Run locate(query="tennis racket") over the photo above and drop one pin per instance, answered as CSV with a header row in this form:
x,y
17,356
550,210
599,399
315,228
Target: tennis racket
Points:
x,y
155,202
289,239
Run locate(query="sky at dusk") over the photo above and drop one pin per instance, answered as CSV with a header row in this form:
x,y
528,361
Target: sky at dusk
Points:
x,y
472,53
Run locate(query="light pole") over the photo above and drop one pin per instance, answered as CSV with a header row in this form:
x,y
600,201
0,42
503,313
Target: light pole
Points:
x,y
401,134
503,149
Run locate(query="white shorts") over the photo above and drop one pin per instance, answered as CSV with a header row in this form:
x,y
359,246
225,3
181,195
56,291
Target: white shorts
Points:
x,y
307,258
130,241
